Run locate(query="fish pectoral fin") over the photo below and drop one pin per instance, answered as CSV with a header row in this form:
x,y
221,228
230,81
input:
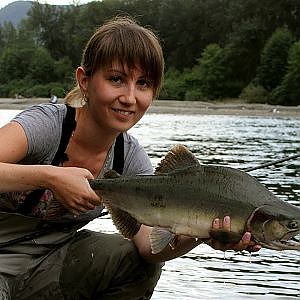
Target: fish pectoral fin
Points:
x,y
160,238
177,158
225,236
127,225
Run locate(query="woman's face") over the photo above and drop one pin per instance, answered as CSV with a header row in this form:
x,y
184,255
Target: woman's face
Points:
x,y
117,97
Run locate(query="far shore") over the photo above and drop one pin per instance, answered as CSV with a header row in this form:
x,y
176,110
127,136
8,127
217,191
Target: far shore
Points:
x,y
229,107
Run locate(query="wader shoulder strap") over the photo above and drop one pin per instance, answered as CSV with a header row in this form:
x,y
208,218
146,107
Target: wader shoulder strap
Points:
x,y
118,163
68,127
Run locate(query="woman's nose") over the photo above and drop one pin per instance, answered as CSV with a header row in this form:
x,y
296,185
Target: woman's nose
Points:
x,y
129,96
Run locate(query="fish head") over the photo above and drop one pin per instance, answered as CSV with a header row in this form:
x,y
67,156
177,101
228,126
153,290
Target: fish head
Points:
x,y
276,227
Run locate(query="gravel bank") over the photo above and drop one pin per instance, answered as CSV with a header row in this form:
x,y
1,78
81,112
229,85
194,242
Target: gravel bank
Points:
x,y
185,107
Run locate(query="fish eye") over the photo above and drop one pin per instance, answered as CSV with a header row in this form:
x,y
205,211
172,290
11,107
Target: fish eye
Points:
x,y
293,225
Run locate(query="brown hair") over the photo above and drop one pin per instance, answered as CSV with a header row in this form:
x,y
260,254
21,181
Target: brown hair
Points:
x,y
122,40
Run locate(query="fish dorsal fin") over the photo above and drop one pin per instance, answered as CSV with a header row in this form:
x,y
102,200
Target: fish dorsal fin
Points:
x,y
177,158
160,238
125,223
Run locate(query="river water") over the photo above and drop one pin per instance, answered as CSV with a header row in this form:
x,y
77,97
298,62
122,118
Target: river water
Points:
x,y
240,142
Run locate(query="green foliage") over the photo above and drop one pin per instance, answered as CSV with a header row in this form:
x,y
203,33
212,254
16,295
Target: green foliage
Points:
x,y
255,94
174,87
28,88
47,21
8,35
14,63
47,46
14,87
273,63
41,66
288,92
45,90
212,72
194,95
59,89
63,70
243,50
208,79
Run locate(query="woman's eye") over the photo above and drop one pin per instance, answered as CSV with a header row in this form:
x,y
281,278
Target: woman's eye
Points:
x,y
143,83
115,79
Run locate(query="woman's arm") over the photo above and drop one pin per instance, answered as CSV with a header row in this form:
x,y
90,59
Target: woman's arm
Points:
x,y
185,244
69,184
13,148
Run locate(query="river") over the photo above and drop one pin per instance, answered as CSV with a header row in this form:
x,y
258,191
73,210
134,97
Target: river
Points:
x,y
239,142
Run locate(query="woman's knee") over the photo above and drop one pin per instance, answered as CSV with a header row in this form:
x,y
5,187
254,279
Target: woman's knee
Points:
x,y
108,264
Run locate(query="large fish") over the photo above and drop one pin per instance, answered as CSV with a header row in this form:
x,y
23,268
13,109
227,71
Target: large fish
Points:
x,y
183,197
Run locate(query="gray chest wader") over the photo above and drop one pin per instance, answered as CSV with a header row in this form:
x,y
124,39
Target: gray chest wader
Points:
x,y
33,198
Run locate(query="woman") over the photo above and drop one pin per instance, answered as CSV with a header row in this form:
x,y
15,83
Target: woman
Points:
x,y
120,75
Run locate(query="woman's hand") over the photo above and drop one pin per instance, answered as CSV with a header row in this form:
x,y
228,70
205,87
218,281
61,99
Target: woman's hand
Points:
x,y
244,244
71,188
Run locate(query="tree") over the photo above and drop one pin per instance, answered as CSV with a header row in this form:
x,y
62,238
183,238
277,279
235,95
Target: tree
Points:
x,y
42,66
242,52
8,35
174,87
288,92
14,64
208,78
273,60
48,21
63,70
213,72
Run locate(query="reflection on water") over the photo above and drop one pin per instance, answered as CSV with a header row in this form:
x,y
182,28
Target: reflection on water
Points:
x,y
239,142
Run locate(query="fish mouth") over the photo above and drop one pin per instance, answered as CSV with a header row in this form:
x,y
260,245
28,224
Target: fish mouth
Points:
x,y
291,241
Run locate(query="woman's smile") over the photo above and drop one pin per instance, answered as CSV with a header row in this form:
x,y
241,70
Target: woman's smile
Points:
x,y
123,112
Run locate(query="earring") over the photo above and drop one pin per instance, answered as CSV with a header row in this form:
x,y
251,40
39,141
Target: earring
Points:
x,y
84,99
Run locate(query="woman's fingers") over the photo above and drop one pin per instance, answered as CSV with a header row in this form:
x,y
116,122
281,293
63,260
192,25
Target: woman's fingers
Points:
x,y
75,193
244,244
216,223
227,223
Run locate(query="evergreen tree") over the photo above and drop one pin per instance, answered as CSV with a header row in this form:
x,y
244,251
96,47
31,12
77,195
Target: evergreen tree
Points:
x,y
42,66
288,92
207,80
274,56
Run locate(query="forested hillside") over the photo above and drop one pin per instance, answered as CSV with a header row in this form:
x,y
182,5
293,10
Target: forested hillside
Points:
x,y
14,12
214,49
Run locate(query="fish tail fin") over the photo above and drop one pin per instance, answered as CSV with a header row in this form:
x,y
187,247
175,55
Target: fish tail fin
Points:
x,y
127,225
160,238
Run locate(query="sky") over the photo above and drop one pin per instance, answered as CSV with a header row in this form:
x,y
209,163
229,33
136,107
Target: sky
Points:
x,y
57,2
